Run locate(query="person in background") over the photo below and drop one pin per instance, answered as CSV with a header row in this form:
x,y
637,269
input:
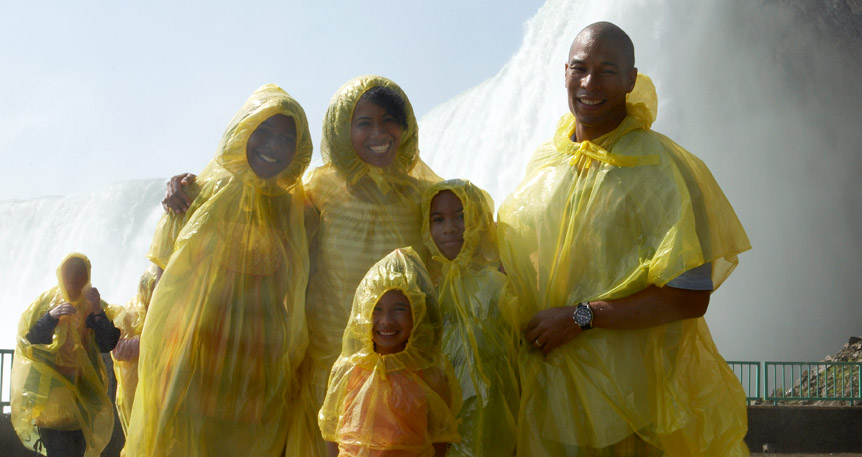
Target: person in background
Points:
x,y
391,392
129,320
60,404
459,232
614,242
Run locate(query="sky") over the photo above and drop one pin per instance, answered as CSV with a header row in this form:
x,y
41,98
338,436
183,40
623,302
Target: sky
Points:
x,y
93,93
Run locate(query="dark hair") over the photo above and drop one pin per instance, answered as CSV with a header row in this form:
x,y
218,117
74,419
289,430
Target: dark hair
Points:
x,y
391,102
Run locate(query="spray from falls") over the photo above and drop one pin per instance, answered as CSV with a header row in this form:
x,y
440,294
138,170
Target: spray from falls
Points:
x,y
764,92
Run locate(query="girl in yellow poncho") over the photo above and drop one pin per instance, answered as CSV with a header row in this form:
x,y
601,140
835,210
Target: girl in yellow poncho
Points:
x,y
459,231
391,392
59,386
226,328
367,195
130,320
602,220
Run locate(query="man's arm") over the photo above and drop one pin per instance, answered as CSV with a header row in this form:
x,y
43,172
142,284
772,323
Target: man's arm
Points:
x,y
650,307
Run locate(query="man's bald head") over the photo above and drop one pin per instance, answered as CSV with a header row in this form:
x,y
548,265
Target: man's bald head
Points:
x,y
600,72
609,34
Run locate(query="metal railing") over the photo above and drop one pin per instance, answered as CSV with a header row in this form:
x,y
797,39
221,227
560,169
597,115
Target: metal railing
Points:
x,y
6,356
812,381
780,381
748,374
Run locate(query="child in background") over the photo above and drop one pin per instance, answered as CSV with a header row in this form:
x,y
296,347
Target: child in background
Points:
x,y
460,233
60,403
391,392
130,320
226,330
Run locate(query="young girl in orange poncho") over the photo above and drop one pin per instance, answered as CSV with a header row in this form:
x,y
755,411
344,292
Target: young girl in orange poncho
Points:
x,y
226,329
392,393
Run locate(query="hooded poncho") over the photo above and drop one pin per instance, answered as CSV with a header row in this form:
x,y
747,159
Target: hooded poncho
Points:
x,y
62,385
399,402
601,220
226,328
477,340
130,320
364,213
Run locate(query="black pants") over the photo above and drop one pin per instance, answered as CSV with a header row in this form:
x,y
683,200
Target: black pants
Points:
x,y
63,443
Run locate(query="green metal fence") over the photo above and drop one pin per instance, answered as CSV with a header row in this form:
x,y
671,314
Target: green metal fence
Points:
x,y
748,374
812,381
778,381
5,378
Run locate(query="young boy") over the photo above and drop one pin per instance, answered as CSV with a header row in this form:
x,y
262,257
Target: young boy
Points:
x,y
226,329
60,404
391,392
460,233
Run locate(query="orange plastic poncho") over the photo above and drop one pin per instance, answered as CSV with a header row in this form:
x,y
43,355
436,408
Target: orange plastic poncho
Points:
x,y
62,385
398,404
226,328
364,213
129,319
604,219
478,341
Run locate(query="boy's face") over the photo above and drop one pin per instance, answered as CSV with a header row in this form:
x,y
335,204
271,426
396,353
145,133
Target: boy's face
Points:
x,y
375,134
447,223
271,146
392,322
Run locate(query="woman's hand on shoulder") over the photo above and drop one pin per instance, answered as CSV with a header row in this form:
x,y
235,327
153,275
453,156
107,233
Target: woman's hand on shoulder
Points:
x,y
176,199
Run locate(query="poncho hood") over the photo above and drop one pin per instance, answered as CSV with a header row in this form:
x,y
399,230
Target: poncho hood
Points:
x,y
480,233
265,102
337,148
402,270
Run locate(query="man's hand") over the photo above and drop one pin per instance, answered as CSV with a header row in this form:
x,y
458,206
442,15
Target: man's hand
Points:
x,y
94,299
66,309
552,328
128,349
176,199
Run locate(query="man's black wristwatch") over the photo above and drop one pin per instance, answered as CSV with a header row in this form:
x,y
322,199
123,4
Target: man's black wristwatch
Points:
x,y
583,316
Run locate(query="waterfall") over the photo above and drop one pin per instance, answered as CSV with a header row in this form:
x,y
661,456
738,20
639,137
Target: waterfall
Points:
x,y
762,91
113,227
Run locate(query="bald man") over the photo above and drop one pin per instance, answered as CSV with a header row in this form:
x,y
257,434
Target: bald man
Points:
x,y
613,244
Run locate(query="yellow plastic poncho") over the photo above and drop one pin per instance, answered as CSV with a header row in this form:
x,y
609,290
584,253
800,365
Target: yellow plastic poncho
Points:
x,y
130,320
226,328
399,402
602,220
364,211
477,339
62,385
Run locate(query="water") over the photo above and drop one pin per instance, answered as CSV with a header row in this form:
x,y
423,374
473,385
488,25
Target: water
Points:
x,y
761,91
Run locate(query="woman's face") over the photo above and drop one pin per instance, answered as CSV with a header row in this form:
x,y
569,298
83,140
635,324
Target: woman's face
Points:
x,y
392,322
375,134
271,146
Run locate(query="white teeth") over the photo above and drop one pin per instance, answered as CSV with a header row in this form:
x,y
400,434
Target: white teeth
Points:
x,y
589,101
266,157
380,148
387,333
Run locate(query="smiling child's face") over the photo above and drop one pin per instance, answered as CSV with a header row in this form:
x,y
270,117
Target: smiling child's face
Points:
x,y
392,322
271,146
447,223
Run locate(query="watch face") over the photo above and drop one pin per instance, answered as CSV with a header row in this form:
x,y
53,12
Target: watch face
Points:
x,y
583,315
